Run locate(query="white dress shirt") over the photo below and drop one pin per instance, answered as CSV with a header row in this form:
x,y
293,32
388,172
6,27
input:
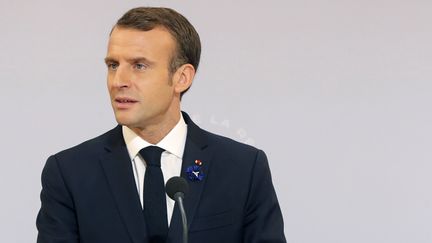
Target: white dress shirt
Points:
x,y
171,159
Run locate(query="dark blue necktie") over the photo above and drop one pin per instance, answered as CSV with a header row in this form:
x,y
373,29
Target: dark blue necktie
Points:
x,y
155,211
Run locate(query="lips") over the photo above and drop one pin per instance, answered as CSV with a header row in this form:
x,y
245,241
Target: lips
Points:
x,y
124,102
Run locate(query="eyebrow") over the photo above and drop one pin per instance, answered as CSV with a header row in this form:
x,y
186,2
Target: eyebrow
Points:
x,y
109,60
130,60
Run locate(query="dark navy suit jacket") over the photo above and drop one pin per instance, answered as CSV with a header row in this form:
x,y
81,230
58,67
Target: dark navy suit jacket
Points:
x,y
89,194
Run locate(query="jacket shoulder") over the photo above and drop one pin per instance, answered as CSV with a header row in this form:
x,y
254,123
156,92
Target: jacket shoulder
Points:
x,y
229,142
92,147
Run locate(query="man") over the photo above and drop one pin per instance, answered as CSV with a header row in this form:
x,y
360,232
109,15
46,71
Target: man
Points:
x,y
111,188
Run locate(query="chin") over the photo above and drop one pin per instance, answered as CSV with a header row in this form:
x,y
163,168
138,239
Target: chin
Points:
x,y
125,121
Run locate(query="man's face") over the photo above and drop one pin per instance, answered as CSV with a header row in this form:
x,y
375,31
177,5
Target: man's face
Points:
x,y
139,81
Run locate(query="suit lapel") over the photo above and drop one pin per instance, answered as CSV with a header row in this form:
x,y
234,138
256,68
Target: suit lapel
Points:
x,y
119,173
118,170
196,148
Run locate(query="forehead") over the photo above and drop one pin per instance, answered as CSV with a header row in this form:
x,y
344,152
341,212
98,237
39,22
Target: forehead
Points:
x,y
153,44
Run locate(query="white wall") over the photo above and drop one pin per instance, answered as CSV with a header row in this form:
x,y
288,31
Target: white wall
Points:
x,y
338,94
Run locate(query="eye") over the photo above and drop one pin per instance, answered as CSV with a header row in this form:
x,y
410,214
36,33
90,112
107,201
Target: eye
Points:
x,y
140,66
112,66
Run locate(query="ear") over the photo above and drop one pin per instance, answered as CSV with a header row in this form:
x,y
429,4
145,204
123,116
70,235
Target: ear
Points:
x,y
183,77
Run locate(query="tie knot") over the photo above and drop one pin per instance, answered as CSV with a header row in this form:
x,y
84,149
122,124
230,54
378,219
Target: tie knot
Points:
x,y
152,155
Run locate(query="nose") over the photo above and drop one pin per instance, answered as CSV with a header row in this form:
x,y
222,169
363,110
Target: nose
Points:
x,y
121,78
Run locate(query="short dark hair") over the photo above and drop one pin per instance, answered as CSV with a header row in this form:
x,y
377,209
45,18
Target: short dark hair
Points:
x,y
188,44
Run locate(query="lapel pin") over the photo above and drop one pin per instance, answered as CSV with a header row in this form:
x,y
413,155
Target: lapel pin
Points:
x,y
198,162
194,172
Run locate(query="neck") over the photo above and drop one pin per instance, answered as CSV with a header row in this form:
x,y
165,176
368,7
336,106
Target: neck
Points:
x,y
155,132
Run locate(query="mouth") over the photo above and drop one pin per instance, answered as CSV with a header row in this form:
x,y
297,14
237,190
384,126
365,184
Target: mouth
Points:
x,y
124,102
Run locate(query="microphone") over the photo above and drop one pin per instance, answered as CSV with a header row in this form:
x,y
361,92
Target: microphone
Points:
x,y
176,188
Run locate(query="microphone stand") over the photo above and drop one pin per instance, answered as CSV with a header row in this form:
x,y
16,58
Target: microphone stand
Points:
x,y
183,216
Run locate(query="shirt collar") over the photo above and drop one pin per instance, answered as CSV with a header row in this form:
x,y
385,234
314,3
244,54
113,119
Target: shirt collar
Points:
x,y
174,142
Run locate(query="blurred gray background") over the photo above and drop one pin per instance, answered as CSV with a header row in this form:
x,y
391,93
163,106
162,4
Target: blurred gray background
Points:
x,y
338,94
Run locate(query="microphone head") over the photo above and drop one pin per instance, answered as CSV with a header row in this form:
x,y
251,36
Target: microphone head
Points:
x,y
175,185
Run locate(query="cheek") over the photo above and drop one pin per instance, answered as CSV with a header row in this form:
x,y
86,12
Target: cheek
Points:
x,y
109,83
110,89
